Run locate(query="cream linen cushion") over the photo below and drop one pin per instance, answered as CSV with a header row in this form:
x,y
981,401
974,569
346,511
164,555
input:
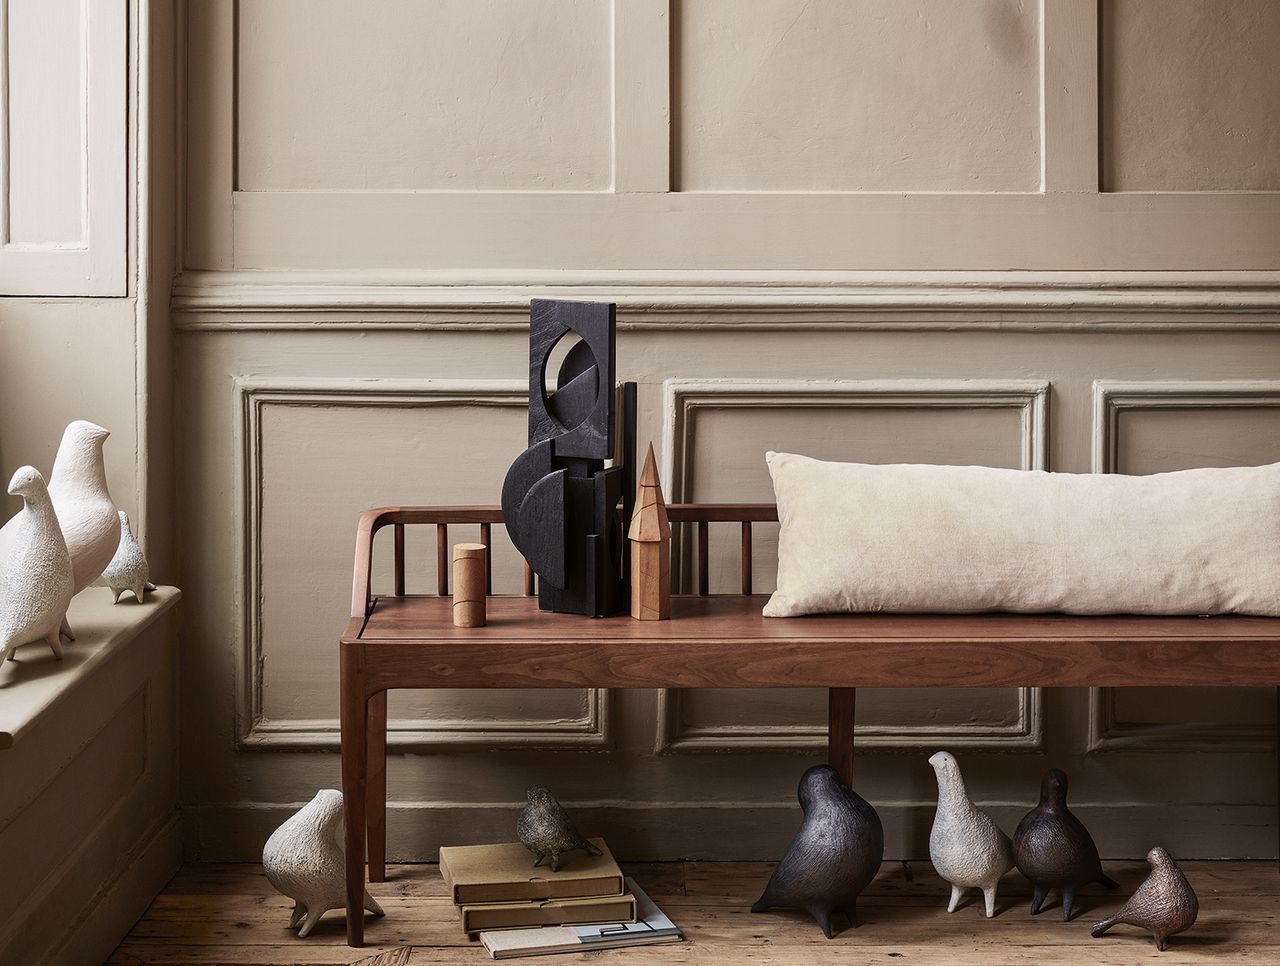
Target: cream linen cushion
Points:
x,y
956,539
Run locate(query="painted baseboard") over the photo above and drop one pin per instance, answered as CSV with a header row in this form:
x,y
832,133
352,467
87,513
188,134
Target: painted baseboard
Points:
x,y
656,831
49,935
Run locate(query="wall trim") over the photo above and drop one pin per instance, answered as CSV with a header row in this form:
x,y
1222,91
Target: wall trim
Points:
x,y
253,729
743,830
681,400
1111,398
747,300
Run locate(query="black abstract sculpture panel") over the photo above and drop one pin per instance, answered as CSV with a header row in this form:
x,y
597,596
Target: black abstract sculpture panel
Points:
x,y
559,502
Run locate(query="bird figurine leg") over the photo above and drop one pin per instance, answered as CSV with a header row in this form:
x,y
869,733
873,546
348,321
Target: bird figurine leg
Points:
x,y
371,904
851,911
1037,899
148,586
299,912
823,917
989,897
591,848
65,630
555,862
1107,882
1068,894
537,859
138,592
313,917
955,898
55,644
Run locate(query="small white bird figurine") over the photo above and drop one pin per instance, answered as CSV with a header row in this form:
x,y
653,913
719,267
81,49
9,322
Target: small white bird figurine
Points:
x,y
303,860
78,488
35,569
967,847
128,568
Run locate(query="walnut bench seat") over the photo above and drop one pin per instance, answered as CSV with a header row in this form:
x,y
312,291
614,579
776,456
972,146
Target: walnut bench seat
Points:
x,y
403,641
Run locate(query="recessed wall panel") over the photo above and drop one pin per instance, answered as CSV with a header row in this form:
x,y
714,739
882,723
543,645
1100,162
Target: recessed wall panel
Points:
x,y
1167,438
1190,95
726,464
856,95
321,466
447,95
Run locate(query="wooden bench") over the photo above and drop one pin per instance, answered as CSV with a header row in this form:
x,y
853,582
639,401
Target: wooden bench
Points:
x,y
723,641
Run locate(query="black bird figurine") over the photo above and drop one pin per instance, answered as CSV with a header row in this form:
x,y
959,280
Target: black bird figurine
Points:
x,y
1164,905
833,857
545,829
1054,850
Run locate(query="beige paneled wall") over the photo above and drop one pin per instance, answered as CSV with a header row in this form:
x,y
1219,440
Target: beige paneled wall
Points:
x,y
863,230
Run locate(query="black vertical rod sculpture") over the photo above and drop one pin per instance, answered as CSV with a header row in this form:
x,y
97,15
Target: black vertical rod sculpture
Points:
x,y
559,502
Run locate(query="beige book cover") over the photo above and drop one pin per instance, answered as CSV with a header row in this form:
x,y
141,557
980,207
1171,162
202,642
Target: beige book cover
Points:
x,y
548,912
505,873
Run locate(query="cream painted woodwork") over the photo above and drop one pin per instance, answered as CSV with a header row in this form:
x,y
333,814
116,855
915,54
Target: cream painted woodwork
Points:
x,y
927,96
63,222
1190,91
872,231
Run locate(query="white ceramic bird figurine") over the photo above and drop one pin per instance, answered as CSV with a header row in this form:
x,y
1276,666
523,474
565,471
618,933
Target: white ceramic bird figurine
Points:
x,y
967,847
303,860
128,569
78,488
35,569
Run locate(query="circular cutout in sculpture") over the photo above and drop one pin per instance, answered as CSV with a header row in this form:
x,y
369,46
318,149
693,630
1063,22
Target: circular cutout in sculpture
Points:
x,y
577,380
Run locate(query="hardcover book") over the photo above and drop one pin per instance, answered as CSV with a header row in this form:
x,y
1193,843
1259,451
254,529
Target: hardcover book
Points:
x,y
548,912
505,873
651,928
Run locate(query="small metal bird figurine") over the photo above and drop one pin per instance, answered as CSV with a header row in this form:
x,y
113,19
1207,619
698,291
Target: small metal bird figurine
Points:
x,y
1054,850
1164,905
545,829
833,857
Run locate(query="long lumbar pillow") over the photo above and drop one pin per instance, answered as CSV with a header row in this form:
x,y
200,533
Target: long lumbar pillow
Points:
x,y
956,539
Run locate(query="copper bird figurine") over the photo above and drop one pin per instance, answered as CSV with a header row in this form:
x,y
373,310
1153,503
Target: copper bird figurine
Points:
x,y
1164,905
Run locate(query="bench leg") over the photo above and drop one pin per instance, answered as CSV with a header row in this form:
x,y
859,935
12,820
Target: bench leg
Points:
x,y
840,705
376,787
354,730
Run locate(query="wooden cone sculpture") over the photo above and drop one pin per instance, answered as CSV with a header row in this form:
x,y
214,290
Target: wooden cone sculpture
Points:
x,y
650,536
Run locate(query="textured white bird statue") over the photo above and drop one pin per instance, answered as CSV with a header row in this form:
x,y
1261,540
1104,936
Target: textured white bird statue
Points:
x,y
78,487
967,847
128,569
35,569
303,860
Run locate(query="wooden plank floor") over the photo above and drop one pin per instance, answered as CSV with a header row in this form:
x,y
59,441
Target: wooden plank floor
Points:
x,y
229,915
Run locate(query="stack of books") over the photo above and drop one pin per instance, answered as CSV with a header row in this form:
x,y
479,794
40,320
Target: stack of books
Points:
x,y
519,910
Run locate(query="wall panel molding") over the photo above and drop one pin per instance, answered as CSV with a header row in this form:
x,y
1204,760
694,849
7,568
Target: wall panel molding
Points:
x,y
1111,398
681,400
253,729
740,301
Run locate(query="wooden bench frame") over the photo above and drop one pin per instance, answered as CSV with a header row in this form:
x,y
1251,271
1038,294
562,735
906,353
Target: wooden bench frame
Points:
x,y
403,641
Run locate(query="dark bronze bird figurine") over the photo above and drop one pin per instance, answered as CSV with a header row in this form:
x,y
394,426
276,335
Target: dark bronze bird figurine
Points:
x,y
545,829
833,857
1054,850
1164,905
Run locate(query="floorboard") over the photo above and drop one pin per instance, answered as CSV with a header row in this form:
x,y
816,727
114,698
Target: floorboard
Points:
x,y
229,915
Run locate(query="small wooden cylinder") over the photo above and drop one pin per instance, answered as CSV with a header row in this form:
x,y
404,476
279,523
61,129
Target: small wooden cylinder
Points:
x,y
468,584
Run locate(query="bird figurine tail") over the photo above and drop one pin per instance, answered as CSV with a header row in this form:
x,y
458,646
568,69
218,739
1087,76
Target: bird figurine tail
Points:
x,y
1102,926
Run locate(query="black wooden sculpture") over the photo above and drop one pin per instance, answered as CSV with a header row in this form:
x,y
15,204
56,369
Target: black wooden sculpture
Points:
x,y
559,502
1054,850
833,857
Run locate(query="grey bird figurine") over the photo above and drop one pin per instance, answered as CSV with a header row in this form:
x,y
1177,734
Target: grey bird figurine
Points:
x,y
1054,850
1164,905
833,857
128,568
545,829
966,846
